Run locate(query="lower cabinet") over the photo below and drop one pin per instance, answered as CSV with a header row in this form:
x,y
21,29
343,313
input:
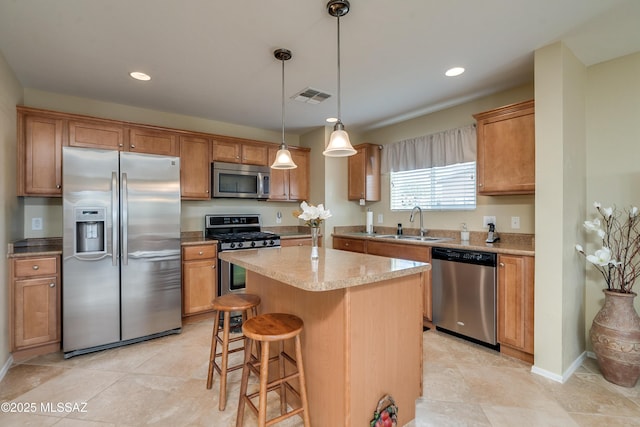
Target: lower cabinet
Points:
x,y
35,306
394,250
516,305
199,280
299,241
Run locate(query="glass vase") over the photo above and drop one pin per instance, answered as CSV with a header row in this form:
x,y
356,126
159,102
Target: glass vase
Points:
x,y
315,231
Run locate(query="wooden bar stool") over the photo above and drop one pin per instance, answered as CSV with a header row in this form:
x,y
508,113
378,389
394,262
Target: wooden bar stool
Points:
x,y
263,330
246,303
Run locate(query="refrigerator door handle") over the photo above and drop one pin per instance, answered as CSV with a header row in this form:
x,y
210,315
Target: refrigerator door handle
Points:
x,y
125,220
114,218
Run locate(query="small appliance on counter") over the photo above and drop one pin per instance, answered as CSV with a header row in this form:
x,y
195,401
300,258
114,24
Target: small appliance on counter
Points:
x,y
492,236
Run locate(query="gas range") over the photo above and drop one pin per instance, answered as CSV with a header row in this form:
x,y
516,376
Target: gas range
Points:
x,y
235,232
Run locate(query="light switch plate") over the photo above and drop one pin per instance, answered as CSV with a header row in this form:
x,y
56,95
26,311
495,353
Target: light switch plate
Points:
x,y
515,222
36,224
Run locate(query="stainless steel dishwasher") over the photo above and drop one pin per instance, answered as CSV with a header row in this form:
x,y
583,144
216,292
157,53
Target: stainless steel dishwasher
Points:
x,y
465,293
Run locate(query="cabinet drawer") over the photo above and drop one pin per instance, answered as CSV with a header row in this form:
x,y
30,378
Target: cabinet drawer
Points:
x,y
35,267
353,245
199,252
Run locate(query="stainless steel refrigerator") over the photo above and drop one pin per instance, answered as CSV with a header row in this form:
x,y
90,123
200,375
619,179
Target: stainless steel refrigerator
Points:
x,y
121,248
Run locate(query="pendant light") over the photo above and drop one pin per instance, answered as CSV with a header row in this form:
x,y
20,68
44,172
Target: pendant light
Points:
x,y
339,144
283,156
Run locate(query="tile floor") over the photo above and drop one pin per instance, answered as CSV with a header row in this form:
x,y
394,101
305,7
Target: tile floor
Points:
x,y
162,382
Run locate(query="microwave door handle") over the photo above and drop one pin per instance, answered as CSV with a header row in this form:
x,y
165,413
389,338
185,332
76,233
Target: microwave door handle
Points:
x,y
261,191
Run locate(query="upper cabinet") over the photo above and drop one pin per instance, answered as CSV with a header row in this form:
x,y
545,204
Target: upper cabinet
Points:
x,y
290,184
506,150
195,168
43,133
232,150
96,134
39,166
364,173
153,141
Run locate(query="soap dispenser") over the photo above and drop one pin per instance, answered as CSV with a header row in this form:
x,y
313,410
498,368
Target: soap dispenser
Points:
x,y
464,234
492,236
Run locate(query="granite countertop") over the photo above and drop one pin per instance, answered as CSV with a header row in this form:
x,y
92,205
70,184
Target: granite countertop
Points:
x,y
333,270
509,243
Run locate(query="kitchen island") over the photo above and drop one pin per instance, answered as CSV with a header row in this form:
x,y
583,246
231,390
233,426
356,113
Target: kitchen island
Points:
x,y
362,334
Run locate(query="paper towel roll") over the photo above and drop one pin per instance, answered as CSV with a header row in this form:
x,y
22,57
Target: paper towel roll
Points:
x,y
369,222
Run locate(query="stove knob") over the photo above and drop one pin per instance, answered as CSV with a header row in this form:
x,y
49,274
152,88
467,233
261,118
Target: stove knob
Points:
x,y
264,243
253,244
271,242
232,245
240,245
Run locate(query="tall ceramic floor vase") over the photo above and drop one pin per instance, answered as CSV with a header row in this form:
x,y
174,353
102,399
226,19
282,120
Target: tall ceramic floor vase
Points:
x,y
615,336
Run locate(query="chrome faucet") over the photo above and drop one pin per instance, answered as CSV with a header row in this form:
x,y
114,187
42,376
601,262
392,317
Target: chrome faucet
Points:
x,y
413,211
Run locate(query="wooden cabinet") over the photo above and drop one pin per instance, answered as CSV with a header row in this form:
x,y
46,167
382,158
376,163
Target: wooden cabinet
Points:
x,y
411,252
233,150
299,241
364,173
290,184
152,141
195,168
96,134
39,149
199,279
352,245
516,305
506,150
35,305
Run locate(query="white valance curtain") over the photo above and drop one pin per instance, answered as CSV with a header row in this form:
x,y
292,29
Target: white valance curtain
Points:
x,y
439,149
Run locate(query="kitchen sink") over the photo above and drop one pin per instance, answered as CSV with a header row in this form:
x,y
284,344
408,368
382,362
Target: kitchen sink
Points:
x,y
414,238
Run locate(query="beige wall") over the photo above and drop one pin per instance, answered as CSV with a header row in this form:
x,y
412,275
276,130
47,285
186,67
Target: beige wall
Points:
x,y
502,207
560,192
613,152
11,206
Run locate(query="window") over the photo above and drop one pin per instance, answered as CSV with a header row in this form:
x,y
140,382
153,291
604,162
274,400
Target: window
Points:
x,y
450,187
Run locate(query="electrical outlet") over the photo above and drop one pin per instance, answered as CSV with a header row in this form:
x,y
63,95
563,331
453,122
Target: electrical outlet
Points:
x,y
379,218
486,220
36,223
515,222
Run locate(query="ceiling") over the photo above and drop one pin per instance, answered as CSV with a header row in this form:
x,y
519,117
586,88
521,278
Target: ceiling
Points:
x,y
214,59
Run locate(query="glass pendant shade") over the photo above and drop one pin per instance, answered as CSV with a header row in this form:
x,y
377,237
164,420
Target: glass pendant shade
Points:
x,y
283,159
339,144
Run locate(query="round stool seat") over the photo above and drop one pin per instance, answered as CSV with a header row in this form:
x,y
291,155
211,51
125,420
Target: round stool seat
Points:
x,y
236,302
272,327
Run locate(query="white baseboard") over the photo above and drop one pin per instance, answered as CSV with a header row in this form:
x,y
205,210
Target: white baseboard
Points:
x,y
566,375
6,366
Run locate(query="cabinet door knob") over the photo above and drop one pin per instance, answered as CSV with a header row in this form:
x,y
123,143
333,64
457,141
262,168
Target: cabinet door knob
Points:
x,y
480,185
501,264
52,285
213,266
58,186
200,253
346,244
36,267
132,146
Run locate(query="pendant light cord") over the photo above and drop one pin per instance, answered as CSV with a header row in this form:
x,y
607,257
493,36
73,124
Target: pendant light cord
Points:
x,y
283,143
339,114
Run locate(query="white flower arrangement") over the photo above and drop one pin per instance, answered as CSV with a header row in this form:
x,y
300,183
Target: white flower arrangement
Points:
x,y
312,215
618,260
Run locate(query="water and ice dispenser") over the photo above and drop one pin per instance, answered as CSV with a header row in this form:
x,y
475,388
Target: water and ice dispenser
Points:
x,y
90,230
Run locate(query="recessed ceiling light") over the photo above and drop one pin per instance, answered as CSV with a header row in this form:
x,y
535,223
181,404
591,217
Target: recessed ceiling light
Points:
x,y
332,119
455,71
140,76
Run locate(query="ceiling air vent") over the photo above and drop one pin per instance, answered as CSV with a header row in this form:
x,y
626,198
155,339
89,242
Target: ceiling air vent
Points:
x,y
311,96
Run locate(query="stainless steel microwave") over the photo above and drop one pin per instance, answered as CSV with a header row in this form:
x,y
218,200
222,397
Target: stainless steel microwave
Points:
x,y
234,180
